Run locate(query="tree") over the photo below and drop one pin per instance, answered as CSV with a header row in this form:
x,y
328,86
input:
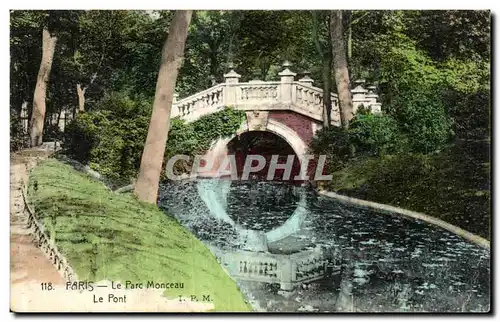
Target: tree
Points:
x,y
146,188
340,67
38,115
325,55
209,49
99,50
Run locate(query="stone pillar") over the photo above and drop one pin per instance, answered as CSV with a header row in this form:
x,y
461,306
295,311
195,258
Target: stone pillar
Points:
x,y
286,86
175,111
358,96
285,273
231,80
371,98
306,79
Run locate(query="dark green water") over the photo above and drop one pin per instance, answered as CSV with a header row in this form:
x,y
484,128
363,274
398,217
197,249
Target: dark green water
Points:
x,y
393,264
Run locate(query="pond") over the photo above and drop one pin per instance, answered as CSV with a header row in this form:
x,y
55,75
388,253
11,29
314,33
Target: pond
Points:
x,y
343,258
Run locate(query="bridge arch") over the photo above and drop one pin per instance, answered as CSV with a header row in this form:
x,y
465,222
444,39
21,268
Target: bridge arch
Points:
x,y
219,149
284,132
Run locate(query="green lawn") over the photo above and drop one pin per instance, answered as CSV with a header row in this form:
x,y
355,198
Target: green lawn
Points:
x,y
135,241
453,185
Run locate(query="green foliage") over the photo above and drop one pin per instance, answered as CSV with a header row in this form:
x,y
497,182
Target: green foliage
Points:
x,y
333,142
196,137
19,137
452,185
423,119
471,113
111,138
375,134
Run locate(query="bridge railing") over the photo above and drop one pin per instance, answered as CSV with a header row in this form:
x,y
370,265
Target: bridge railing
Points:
x,y
287,94
202,103
289,270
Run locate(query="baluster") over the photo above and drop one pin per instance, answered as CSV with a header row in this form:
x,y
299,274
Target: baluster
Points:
x,y
215,98
241,266
245,268
210,100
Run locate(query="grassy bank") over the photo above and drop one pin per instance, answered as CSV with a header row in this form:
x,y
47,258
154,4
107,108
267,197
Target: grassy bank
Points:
x,y
453,185
127,239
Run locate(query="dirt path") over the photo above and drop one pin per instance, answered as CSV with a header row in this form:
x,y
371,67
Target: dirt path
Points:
x,y
28,264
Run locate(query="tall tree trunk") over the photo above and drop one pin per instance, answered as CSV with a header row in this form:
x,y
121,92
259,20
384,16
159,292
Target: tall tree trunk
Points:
x,y
81,97
327,88
340,67
326,58
39,108
349,38
146,188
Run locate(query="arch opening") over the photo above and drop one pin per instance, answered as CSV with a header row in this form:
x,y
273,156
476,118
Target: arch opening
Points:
x,y
267,145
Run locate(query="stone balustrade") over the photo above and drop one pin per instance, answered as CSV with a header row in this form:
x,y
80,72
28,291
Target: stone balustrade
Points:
x,y
286,94
289,270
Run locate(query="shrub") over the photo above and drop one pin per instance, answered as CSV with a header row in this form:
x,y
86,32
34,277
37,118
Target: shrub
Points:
x,y
334,143
375,134
423,119
19,137
196,137
52,132
82,135
111,138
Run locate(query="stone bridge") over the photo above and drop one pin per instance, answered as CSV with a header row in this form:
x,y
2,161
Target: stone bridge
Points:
x,y
291,109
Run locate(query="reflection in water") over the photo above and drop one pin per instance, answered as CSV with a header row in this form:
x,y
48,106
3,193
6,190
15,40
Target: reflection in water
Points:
x,y
392,264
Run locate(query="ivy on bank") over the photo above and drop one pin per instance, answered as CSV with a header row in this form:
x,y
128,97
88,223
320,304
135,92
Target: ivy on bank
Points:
x,y
111,138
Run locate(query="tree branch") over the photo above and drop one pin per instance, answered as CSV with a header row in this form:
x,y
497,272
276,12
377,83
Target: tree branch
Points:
x,y
315,33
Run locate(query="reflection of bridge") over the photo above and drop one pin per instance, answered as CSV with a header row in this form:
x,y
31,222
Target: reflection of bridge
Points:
x,y
291,109
253,261
214,194
288,270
